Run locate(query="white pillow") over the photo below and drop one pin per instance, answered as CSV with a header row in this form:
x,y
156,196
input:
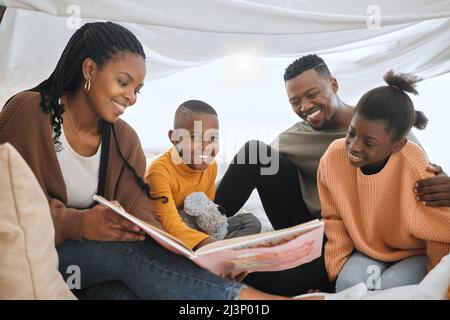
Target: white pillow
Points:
x,y
28,258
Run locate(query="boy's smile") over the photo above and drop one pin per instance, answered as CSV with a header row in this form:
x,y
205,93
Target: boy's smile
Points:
x,y
197,139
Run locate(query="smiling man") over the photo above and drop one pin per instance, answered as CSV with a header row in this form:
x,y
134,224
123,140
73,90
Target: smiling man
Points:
x,y
312,93
290,196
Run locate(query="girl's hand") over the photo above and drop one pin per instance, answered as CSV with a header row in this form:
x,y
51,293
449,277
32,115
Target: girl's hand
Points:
x,y
102,224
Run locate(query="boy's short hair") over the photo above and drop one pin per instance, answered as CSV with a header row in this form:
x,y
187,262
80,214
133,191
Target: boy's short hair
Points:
x,y
192,106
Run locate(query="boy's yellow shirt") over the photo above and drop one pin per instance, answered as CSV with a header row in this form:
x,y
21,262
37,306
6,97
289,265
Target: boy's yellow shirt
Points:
x,y
169,177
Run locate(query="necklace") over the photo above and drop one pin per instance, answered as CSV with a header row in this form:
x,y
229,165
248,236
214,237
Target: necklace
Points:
x,y
75,127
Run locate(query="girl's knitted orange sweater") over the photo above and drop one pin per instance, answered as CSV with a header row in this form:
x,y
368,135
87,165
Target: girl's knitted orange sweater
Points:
x,y
378,214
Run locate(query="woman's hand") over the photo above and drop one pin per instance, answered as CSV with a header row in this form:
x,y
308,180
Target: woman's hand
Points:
x,y
102,224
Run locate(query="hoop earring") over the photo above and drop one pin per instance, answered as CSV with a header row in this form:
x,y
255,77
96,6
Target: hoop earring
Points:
x,y
87,85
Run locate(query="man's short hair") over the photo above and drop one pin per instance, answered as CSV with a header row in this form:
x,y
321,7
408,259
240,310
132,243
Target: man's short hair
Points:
x,y
311,61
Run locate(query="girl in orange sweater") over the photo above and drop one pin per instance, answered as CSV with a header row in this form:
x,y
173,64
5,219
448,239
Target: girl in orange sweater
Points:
x,y
378,232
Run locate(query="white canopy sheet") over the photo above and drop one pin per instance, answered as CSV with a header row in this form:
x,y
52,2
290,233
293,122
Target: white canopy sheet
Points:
x,y
409,36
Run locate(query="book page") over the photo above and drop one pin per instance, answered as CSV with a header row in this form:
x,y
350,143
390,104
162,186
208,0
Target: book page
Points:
x,y
302,249
271,251
267,239
163,238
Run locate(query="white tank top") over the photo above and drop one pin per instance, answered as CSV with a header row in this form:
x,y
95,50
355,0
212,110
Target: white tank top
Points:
x,y
80,174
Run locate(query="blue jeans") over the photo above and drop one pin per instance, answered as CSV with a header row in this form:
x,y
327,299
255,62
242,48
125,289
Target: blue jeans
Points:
x,y
139,270
378,275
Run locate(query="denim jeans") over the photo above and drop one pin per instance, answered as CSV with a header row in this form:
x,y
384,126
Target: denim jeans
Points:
x,y
139,270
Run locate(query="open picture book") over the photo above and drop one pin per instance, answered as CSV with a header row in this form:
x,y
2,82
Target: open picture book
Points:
x,y
271,251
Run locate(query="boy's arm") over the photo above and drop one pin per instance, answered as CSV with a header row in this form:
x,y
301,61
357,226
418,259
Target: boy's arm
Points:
x,y
211,192
339,244
168,212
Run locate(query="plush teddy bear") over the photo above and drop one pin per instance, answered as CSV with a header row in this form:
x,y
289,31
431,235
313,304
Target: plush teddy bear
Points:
x,y
202,214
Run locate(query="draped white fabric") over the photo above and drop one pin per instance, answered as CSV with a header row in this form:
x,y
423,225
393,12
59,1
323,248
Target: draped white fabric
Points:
x,y
409,36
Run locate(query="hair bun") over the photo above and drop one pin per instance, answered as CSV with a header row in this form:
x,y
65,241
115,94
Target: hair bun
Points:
x,y
421,120
402,81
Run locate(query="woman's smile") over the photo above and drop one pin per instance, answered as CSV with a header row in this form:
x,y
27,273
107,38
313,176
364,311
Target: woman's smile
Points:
x,y
119,108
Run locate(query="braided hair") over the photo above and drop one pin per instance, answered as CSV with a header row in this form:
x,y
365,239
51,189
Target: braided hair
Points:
x,y
145,187
100,41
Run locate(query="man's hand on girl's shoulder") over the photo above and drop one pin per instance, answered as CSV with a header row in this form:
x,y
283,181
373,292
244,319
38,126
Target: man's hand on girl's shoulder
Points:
x,y
434,191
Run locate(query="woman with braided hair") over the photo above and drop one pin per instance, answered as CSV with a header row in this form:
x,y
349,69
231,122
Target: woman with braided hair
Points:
x,y
69,131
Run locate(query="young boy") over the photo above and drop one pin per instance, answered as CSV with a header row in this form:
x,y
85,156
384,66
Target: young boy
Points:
x,y
189,167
